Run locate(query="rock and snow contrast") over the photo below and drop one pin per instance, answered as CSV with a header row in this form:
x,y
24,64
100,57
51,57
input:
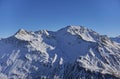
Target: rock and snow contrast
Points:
x,y
73,52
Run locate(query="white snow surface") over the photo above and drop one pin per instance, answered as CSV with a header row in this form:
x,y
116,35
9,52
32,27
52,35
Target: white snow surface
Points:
x,y
27,54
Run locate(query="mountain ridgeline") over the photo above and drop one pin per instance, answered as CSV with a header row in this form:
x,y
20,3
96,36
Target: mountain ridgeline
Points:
x,y
73,52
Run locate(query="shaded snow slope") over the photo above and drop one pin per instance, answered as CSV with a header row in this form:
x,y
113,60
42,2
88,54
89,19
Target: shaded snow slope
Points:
x,y
116,39
30,55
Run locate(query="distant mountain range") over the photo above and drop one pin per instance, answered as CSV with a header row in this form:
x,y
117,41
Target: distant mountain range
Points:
x,y
73,52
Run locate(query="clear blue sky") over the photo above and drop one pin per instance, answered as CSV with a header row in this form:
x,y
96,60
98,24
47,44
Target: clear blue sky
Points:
x,y
102,16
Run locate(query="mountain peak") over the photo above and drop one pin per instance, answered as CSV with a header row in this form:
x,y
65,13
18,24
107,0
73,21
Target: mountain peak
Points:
x,y
21,31
73,28
76,27
80,31
22,34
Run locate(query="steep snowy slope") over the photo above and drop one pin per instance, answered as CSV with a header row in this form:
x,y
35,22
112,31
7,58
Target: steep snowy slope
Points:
x,y
71,52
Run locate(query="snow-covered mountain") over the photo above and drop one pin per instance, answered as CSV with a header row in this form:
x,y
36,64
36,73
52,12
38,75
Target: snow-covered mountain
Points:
x,y
116,39
73,52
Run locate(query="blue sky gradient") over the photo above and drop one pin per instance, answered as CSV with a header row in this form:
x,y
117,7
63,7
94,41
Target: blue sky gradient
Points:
x,y
102,16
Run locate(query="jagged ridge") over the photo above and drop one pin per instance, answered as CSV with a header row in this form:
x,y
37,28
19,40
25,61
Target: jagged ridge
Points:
x,y
29,55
